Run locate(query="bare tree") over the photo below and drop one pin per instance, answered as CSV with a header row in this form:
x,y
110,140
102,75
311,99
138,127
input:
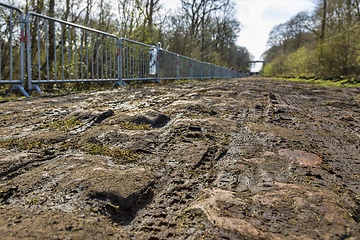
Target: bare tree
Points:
x,y
280,36
323,21
196,13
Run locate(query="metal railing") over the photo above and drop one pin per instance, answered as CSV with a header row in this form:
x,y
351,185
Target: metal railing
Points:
x,y
196,67
138,61
168,65
12,45
63,52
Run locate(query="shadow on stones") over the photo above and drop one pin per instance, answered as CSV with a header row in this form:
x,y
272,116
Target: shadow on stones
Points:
x,y
153,118
123,210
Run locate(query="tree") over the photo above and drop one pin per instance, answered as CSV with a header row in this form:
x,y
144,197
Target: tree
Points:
x,y
280,36
196,13
330,35
151,7
226,29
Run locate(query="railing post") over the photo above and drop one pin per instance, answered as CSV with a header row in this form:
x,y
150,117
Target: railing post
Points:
x,y
20,84
209,71
119,60
28,50
201,73
22,56
158,63
28,45
191,70
22,49
177,68
31,86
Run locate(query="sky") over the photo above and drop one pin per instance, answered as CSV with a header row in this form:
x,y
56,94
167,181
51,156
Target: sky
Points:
x,y
257,18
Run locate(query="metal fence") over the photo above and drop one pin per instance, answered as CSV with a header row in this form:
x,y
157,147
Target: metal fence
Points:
x,y
12,45
63,52
138,61
168,65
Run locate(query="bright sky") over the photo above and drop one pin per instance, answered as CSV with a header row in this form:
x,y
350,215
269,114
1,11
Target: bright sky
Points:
x,y
257,18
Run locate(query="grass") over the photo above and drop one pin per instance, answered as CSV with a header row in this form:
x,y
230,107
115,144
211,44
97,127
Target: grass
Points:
x,y
67,124
121,156
346,83
22,144
62,125
13,97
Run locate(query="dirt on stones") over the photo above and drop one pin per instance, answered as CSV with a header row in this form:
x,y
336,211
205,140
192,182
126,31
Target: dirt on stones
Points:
x,y
246,158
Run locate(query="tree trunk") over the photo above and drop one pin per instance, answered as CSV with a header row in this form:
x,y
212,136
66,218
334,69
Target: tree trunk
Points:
x,y
67,10
151,13
202,53
323,22
322,36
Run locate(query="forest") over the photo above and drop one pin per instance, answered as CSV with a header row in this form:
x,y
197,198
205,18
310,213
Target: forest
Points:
x,y
205,30
323,44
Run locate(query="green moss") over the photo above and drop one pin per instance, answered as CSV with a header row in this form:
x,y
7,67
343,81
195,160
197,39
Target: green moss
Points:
x,y
121,156
33,200
62,125
22,144
226,140
193,217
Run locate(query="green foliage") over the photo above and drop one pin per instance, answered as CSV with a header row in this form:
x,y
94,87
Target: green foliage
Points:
x,y
277,67
299,63
318,45
269,70
338,57
302,63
